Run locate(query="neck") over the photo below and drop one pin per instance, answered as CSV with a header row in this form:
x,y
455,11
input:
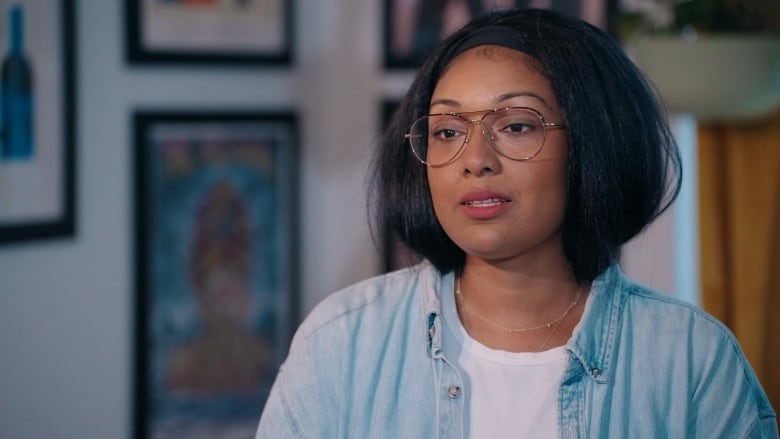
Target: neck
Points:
x,y
497,307
518,292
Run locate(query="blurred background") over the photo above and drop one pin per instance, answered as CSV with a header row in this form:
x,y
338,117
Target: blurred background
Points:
x,y
68,303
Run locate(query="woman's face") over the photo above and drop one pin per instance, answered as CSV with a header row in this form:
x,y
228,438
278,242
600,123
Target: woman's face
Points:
x,y
494,208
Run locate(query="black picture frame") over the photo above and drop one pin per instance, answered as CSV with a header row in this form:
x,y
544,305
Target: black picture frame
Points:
x,y
37,181
413,28
216,238
209,33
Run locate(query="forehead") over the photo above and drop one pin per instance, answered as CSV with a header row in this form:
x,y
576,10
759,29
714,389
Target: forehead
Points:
x,y
491,52
485,73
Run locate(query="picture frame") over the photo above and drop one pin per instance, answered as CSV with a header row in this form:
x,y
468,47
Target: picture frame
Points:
x,y
37,120
235,32
394,255
216,249
412,28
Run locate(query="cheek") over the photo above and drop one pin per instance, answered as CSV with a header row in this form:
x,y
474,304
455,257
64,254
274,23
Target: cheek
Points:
x,y
541,188
554,177
553,173
554,187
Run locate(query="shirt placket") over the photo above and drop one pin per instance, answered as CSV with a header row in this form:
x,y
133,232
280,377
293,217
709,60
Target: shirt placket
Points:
x,y
448,385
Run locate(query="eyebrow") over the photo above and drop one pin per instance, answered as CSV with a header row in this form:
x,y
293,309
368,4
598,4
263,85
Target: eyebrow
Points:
x,y
501,98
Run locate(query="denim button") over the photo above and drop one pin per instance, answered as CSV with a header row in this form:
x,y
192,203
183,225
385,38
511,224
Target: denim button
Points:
x,y
453,392
596,372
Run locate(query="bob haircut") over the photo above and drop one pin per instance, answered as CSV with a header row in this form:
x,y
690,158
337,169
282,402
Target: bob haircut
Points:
x,y
624,166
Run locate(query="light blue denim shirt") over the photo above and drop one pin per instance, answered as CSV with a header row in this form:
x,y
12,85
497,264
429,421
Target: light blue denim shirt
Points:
x,y
368,363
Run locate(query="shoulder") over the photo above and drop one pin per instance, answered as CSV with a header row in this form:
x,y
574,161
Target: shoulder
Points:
x,y
618,299
354,342
370,300
664,314
649,300
684,340
659,318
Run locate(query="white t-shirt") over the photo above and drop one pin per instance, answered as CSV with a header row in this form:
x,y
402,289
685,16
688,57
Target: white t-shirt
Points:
x,y
510,394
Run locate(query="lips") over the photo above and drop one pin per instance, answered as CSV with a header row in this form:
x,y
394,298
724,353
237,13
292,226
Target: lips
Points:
x,y
481,205
486,203
484,198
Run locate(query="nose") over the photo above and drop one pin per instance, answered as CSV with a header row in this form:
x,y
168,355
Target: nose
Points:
x,y
478,156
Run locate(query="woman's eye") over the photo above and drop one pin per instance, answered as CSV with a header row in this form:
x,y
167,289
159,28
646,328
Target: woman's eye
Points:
x,y
519,127
444,134
447,132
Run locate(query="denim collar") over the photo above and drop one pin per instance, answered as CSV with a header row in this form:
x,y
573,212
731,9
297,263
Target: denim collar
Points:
x,y
593,339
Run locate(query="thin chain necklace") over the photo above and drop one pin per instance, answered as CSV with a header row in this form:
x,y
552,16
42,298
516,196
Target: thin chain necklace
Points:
x,y
514,330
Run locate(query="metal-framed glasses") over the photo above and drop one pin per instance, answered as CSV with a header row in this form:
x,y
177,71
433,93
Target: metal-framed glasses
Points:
x,y
516,133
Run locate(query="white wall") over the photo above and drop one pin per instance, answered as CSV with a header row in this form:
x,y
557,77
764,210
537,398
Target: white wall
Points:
x,y
66,314
665,256
67,305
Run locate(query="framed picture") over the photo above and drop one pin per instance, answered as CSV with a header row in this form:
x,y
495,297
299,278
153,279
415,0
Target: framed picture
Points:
x,y
37,120
216,291
209,31
414,27
394,254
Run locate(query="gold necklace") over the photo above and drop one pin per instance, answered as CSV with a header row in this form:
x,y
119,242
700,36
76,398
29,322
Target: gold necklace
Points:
x,y
513,330
549,337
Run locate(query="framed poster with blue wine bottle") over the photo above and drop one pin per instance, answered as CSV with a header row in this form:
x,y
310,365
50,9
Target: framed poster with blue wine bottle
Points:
x,y
37,120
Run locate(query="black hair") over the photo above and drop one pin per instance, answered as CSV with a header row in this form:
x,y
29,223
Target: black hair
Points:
x,y
624,167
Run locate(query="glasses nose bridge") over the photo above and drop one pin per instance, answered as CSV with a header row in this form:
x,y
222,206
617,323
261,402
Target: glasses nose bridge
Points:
x,y
482,127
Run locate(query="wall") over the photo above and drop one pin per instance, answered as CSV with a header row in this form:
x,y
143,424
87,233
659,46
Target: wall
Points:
x,y
67,305
65,322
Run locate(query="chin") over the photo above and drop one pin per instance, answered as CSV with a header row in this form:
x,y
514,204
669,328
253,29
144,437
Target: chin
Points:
x,y
503,248
494,251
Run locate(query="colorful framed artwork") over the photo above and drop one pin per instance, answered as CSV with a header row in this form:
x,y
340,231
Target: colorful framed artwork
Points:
x,y
414,27
209,31
216,291
37,120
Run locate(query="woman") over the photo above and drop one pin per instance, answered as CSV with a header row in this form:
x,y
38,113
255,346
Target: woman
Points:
x,y
526,152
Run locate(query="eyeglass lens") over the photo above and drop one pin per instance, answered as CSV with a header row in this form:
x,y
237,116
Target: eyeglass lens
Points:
x,y
516,133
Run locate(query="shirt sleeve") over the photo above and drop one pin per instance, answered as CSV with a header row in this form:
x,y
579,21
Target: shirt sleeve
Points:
x,y
729,399
765,428
278,419
302,401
